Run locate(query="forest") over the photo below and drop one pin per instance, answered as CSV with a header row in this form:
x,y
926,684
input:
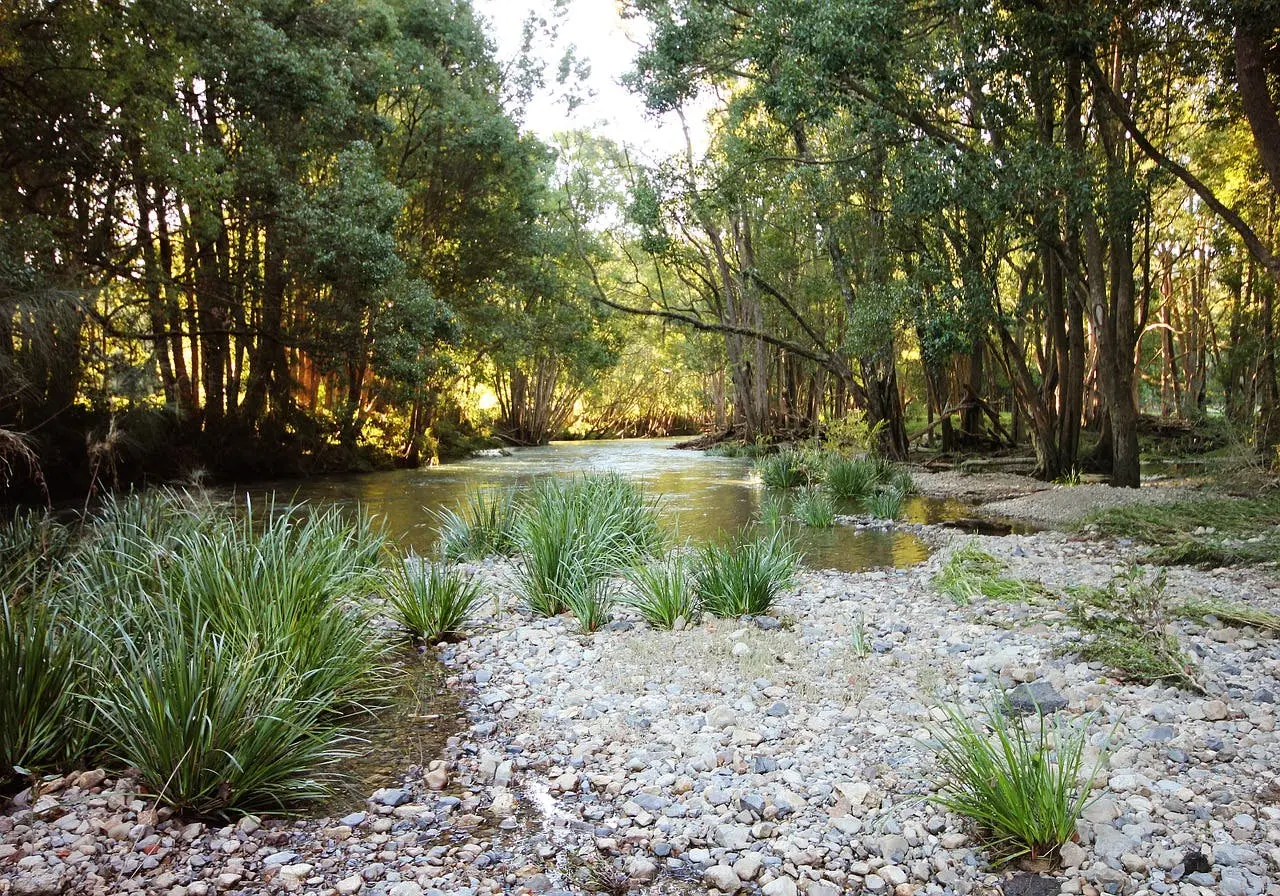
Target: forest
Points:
x,y
275,237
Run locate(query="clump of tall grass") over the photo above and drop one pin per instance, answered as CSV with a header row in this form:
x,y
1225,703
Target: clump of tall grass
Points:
x,y
773,512
815,509
41,679
1126,628
1232,614
1020,782
211,726
574,533
885,504
664,592
757,449
484,526
744,576
432,603
850,478
786,469
592,604
971,572
32,545
235,642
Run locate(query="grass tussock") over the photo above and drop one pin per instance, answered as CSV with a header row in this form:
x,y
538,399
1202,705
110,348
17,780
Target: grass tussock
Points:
x,y
971,573
1126,628
1023,784
432,603
885,504
574,534
484,526
815,508
744,576
221,650
788,468
663,592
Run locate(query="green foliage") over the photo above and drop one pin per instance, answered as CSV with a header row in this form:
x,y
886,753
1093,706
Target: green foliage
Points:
x,y
788,468
815,508
485,526
1229,527
858,642
851,479
773,512
432,603
744,576
228,645
592,604
851,435
575,533
971,572
41,712
32,544
885,504
1023,786
1126,628
1231,614
664,592
754,450
211,726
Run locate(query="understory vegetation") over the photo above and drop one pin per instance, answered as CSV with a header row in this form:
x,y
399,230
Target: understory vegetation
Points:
x,y
1022,782
224,652
971,572
831,479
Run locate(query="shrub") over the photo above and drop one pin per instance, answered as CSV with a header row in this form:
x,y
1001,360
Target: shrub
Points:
x,y
815,509
885,504
213,727
433,604
485,526
744,576
40,682
786,469
1021,787
574,533
663,592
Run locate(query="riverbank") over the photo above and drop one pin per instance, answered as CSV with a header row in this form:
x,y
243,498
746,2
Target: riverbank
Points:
x,y
763,755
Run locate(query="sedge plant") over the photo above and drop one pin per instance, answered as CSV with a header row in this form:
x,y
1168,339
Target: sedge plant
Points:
x,y
663,592
743,576
432,603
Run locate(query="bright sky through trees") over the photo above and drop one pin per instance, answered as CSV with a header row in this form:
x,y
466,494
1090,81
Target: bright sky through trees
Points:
x,y
608,44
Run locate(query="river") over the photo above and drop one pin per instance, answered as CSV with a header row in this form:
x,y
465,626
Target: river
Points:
x,y
701,497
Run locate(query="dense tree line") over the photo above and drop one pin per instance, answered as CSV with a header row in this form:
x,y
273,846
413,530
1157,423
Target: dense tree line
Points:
x,y
1057,208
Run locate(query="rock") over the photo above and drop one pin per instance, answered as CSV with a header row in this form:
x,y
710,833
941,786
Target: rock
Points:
x,y
894,848
1027,884
641,869
1196,862
780,886
723,878
354,820
1110,843
732,836
349,885
721,716
1072,855
437,779
392,797
281,858
404,888
778,709
1101,811
1025,698
1214,710
748,866
1158,735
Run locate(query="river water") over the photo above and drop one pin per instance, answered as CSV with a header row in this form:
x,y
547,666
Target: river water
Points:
x,y
701,497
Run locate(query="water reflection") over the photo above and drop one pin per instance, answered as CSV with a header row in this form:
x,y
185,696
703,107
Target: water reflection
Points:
x,y
702,497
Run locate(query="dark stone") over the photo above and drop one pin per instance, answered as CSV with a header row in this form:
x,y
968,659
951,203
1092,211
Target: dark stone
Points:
x,y
1031,885
1196,862
1262,695
768,623
1025,698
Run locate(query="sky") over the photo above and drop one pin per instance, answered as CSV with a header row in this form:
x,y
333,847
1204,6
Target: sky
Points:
x,y
609,44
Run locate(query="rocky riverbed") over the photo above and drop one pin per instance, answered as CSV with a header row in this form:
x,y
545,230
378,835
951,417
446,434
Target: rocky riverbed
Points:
x,y
767,755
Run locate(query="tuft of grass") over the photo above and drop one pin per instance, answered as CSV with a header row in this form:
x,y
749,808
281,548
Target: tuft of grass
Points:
x,y
1069,478
664,592
592,605
850,479
1230,528
1232,614
1019,782
971,572
815,508
212,727
32,546
885,504
574,533
860,645
41,712
773,512
786,469
432,603
757,449
744,576
484,526
1126,628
